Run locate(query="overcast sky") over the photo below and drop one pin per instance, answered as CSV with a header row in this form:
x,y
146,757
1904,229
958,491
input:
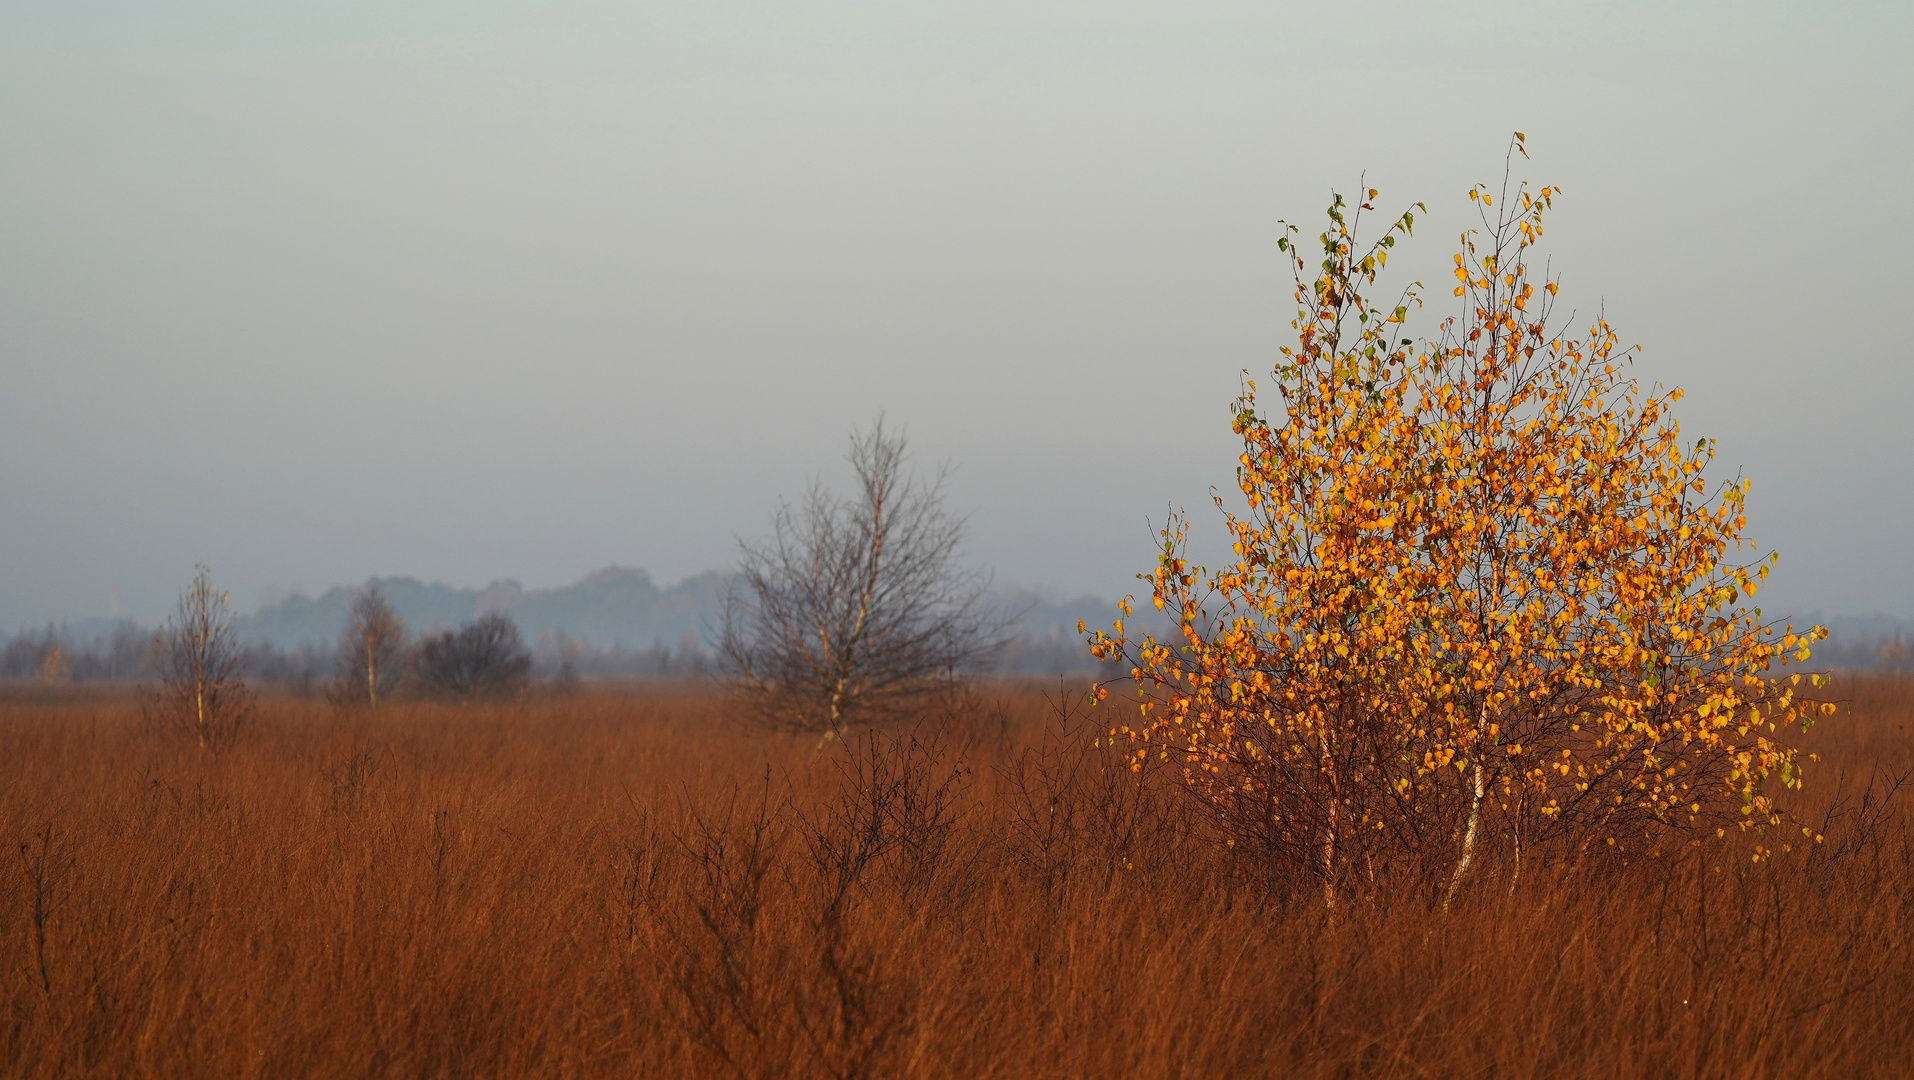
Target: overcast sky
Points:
x,y
473,290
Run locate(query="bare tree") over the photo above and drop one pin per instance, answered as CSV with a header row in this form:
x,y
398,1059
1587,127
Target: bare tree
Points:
x,y
485,658
372,650
202,690
857,608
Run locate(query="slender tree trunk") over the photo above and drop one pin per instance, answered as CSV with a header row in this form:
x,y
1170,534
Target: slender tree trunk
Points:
x,y
853,644
1468,835
837,712
1332,821
1516,877
1329,854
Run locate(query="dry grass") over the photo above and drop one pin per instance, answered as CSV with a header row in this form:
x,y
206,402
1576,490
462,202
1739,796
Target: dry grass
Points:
x,y
622,884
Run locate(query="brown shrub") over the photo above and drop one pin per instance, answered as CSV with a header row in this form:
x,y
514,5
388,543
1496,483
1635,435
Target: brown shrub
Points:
x,y
629,883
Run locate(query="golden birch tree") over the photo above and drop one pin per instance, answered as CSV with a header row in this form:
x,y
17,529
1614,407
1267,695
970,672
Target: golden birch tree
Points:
x,y
1483,595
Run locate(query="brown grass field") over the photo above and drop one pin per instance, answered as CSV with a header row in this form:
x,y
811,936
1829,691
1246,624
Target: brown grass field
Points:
x,y
631,882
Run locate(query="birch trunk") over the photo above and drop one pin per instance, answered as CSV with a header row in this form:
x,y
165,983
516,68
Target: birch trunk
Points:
x,y
1468,837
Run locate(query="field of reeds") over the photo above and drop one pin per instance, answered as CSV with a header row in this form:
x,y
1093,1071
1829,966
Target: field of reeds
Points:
x,y
631,881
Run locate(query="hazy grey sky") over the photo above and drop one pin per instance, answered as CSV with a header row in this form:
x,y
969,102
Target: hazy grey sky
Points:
x,y
474,290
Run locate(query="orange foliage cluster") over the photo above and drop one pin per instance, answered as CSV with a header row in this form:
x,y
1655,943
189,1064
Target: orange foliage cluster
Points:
x,y
1481,584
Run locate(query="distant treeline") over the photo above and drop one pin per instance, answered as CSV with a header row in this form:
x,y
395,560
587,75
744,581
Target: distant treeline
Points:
x,y
129,653
616,609
615,624
124,651
620,616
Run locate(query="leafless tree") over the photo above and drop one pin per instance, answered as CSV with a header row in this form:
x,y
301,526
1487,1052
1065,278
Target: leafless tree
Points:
x,y
485,658
372,650
857,608
202,690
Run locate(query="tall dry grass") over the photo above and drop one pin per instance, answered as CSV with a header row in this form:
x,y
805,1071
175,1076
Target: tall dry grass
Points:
x,y
629,884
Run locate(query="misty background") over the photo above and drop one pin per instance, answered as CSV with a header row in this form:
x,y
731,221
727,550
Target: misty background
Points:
x,y
462,293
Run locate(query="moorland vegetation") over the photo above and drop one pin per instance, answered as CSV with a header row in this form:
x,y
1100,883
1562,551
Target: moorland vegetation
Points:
x,y
629,882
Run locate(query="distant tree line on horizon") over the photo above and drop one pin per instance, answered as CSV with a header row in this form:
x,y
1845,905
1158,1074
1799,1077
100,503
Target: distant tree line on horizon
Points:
x,y
125,651
131,653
